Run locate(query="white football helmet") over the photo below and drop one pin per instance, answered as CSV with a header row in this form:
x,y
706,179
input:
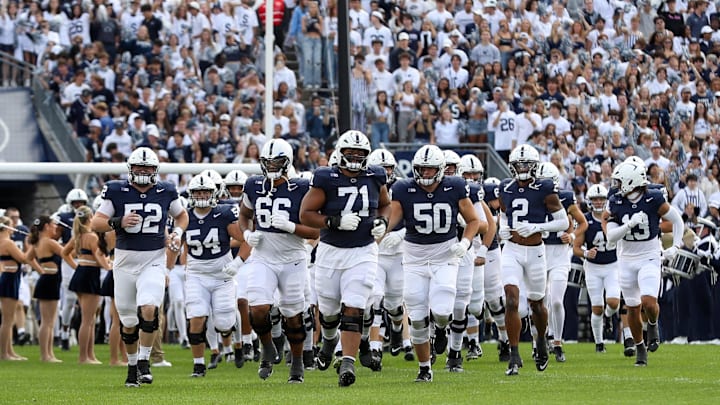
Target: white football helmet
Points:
x,y
97,202
382,157
452,160
143,157
217,180
471,165
547,170
635,160
74,195
428,156
523,161
597,194
629,176
202,183
276,158
492,180
333,159
232,181
353,140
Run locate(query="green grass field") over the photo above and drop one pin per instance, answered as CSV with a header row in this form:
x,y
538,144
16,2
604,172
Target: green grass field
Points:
x,y
676,374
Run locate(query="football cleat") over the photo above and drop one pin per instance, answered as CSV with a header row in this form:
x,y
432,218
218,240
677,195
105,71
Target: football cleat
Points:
x,y
474,351
513,367
65,344
454,362
642,356
296,379
215,359
279,343
247,350
132,377
559,354
629,344
441,340
143,371
239,358
409,355
503,351
541,358
265,370
185,344
198,371
325,355
425,375
599,347
309,359
653,338
608,327
23,339
346,373
396,342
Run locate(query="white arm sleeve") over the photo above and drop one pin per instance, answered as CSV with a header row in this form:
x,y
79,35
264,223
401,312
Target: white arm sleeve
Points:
x,y
559,222
616,232
480,211
247,203
678,226
106,208
502,221
176,208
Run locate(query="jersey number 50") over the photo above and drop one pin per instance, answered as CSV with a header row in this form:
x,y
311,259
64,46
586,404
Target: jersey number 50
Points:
x,y
431,218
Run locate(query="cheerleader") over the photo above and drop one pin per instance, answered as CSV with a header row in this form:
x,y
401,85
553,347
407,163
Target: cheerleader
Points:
x,y
85,246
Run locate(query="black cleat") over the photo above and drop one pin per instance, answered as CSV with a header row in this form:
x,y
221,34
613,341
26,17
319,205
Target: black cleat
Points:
x,y
247,351
239,358
441,340
346,373
325,355
642,356
143,371
198,371
599,347
309,359
215,359
653,338
409,355
503,351
425,375
279,343
541,358
365,354
23,339
376,364
559,354
454,362
185,344
513,367
396,342
132,377
65,345
608,327
265,370
296,378
474,351
629,344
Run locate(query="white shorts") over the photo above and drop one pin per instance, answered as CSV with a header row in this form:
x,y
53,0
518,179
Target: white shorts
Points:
x,y
139,280
350,286
429,287
557,259
310,293
389,281
639,277
477,298
241,280
288,279
525,263
176,285
24,292
491,277
601,278
206,296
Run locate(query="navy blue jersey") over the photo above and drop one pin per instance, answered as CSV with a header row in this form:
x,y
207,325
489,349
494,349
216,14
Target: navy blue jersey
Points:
x,y
345,195
152,206
207,237
476,195
430,217
491,192
567,198
19,238
67,218
281,199
526,203
621,209
595,238
400,224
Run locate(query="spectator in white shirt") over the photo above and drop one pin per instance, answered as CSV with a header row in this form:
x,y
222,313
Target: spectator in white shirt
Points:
x,y
657,157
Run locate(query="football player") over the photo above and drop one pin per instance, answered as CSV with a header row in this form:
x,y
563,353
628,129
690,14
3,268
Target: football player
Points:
x,y
525,203
137,209
430,204
635,213
558,250
471,169
279,258
600,265
350,204
388,289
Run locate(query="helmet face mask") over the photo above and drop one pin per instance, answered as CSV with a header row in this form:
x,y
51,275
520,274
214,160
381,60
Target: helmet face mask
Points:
x,y
428,157
276,159
234,184
274,168
353,150
202,192
353,160
381,157
597,194
143,167
523,170
427,180
235,191
523,161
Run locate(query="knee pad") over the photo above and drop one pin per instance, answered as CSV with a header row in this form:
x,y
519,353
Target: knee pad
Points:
x,y
297,333
459,325
196,338
130,338
275,316
352,323
262,325
396,314
330,321
496,307
309,319
151,325
420,330
441,320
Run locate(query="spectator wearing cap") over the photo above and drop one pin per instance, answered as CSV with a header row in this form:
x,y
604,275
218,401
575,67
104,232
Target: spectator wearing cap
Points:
x,y
120,137
684,108
277,118
312,25
656,157
485,52
403,46
379,31
79,115
198,23
449,49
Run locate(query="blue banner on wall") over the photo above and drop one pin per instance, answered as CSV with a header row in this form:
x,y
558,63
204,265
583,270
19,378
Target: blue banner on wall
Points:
x,y
20,138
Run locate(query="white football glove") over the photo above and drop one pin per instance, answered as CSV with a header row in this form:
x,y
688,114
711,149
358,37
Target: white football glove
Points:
x,y
390,241
637,219
460,248
232,268
526,229
461,221
670,252
282,223
349,222
481,251
174,242
379,228
252,238
504,233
